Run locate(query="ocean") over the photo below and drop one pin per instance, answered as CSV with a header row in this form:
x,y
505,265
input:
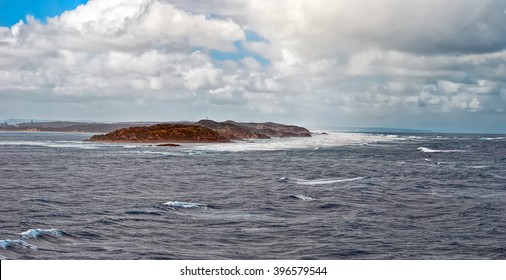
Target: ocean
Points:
x,y
335,195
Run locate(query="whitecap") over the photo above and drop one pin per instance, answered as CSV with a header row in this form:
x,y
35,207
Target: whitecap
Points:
x,y
319,181
303,197
492,138
3,257
429,150
331,139
180,204
6,243
35,233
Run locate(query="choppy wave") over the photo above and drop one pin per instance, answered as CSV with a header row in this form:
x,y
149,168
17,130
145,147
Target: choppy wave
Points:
x,y
303,197
180,204
318,181
35,233
429,150
8,243
207,197
3,257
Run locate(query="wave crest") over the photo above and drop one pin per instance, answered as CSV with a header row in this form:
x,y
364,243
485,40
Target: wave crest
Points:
x,y
303,197
35,233
429,150
319,181
180,204
7,243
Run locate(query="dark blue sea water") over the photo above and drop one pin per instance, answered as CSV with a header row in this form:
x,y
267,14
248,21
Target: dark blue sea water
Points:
x,y
335,196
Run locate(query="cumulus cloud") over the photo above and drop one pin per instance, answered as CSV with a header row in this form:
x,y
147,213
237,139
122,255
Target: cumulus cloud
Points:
x,y
115,45
380,57
319,28
340,62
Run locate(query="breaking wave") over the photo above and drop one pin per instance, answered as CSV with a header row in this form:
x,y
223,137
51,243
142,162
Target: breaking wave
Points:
x,y
35,233
8,243
179,204
318,181
429,150
31,233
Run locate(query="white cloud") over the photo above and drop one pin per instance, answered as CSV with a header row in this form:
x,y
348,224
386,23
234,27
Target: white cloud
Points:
x,y
118,46
327,60
323,28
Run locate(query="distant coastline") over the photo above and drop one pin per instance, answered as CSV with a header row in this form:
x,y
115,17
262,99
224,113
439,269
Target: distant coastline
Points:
x,y
71,127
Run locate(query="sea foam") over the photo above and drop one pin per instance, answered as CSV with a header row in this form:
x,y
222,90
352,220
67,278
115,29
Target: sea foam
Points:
x,y
316,142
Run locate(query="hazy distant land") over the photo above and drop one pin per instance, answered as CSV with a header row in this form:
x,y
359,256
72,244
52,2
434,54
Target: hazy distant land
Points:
x,y
65,126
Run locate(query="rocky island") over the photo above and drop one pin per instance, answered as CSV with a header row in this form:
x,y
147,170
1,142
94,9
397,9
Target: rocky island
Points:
x,y
204,131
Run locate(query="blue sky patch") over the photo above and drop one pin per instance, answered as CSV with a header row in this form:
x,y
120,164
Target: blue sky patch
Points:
x,y
241,51
252,36
12,11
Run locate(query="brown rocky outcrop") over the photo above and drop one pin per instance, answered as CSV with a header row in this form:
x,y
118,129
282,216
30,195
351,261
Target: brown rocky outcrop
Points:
x,y
162,133
239,130
277,130
233,130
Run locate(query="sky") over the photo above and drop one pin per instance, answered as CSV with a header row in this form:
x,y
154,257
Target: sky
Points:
x,y
421,64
